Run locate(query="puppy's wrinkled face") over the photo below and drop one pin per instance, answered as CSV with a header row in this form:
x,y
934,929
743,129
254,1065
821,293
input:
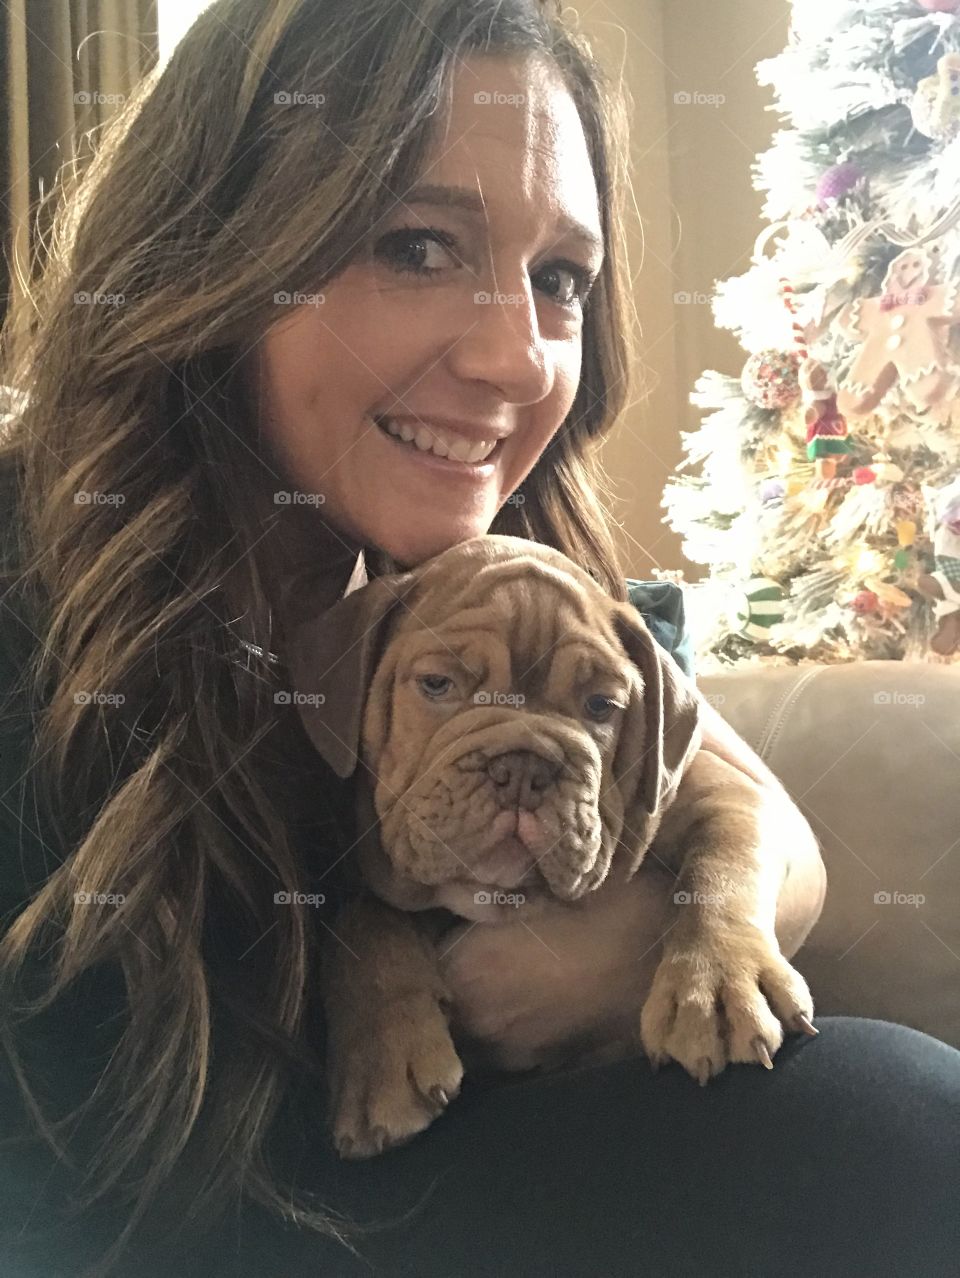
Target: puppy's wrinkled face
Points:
x,y
492,728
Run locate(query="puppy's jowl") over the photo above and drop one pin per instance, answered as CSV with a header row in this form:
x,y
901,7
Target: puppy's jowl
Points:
x,y
522,745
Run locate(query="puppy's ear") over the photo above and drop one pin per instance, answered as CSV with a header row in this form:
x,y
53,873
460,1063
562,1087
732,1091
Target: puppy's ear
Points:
x,y
335,655
661,732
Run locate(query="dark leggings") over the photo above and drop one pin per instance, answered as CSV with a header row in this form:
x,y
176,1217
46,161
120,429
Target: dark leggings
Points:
x,y
843,1160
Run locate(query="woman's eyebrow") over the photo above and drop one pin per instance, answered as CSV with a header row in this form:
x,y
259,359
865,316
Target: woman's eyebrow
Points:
x,y
472,201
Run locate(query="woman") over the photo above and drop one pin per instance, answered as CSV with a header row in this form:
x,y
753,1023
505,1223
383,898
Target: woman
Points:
x,y
326,220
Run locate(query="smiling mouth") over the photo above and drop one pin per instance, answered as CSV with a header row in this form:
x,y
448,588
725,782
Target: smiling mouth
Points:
x,y
442,444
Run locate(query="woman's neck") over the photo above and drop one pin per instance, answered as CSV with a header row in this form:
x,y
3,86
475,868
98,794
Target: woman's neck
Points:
x,y
304,566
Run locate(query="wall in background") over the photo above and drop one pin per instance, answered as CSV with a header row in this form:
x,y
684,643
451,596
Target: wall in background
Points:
x,y
696,219
174,17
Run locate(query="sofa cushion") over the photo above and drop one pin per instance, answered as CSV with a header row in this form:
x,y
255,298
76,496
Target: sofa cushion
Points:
x,y
870,751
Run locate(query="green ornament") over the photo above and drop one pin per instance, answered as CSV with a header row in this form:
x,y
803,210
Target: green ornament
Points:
x,y
761,608
901,559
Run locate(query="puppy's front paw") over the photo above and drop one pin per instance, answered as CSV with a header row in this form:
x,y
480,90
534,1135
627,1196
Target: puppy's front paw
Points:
x,y
723,995
392,1082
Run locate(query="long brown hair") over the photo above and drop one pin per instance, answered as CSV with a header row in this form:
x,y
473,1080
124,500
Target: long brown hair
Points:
x,y
134,457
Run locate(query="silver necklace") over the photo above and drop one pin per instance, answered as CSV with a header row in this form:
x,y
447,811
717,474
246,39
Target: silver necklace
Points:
x,y
260,652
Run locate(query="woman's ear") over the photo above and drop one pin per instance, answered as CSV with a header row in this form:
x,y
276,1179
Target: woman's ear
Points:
x,y
331,659
661,732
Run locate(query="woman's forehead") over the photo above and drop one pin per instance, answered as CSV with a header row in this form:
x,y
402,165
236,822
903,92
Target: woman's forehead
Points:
x,y
513,137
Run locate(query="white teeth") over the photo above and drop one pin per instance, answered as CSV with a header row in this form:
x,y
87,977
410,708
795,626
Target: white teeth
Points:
x,y
442,445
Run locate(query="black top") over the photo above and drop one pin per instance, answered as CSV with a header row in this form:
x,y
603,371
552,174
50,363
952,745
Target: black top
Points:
x,y
66,1048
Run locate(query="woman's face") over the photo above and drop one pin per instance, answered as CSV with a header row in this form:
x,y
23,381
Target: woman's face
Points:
x,y
462,324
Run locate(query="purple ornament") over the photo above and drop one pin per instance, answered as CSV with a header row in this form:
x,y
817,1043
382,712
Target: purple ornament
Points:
x,y
951,516
838,181
772,490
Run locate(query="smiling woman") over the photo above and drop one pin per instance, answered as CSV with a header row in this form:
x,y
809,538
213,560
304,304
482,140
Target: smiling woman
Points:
x,y
339,238
325,225
458,326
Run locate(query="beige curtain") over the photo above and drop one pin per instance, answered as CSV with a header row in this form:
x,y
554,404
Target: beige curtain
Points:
x,y
64,64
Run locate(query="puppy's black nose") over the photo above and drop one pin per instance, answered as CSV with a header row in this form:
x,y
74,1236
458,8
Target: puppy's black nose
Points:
x,y
520,777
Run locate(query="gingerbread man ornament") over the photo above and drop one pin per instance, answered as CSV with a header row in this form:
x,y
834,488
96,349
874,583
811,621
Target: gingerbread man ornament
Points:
x,y
904,338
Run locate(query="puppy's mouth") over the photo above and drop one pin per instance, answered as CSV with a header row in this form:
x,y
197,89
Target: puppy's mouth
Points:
x,y
519,840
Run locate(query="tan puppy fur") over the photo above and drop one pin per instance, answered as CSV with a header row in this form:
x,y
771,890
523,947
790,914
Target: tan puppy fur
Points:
x,y
525,745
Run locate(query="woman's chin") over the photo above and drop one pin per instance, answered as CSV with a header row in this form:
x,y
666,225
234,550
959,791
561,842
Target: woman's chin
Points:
x,y
411,553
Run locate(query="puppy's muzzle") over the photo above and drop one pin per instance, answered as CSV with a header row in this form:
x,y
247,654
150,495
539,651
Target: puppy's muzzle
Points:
x,y
503,798
520,778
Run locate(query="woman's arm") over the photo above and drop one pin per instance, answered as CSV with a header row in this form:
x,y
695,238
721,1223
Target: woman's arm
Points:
x,y
805,879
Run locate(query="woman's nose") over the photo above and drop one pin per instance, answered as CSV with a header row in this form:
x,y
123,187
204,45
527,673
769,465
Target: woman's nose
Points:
x,y
502,344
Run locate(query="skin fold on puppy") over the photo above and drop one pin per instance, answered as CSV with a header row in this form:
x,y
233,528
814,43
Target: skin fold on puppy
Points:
x,y
525,745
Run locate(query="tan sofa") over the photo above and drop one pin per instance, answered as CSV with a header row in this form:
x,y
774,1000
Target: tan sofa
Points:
x,y
871,753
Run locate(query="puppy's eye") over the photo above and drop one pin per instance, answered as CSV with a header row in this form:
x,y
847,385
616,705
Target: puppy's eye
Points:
x,y
600,708
433,685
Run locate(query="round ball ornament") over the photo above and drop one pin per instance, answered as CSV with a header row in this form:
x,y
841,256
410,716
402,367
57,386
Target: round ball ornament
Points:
x,y
839,181
865,603
939,6
760,608
771,379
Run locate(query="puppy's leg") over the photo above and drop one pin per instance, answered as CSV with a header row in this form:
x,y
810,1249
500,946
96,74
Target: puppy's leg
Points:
x,y
723,990
391,1063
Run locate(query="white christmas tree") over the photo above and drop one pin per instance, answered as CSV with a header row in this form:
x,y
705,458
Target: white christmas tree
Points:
x,y
820,490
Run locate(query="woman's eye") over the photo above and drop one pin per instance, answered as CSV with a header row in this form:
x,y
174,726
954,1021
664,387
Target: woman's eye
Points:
x,y
580,278
600,707
403,249
434,685
408,249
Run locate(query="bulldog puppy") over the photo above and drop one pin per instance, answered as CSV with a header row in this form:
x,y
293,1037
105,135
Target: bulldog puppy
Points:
x,y
525,744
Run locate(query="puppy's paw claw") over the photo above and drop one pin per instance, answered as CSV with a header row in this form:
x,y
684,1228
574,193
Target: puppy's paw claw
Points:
x,y
704,1070
763,1056
384,1096
801,1025
722,999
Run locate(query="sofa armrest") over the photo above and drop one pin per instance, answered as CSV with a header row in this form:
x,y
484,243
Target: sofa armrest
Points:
x,y
870,752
